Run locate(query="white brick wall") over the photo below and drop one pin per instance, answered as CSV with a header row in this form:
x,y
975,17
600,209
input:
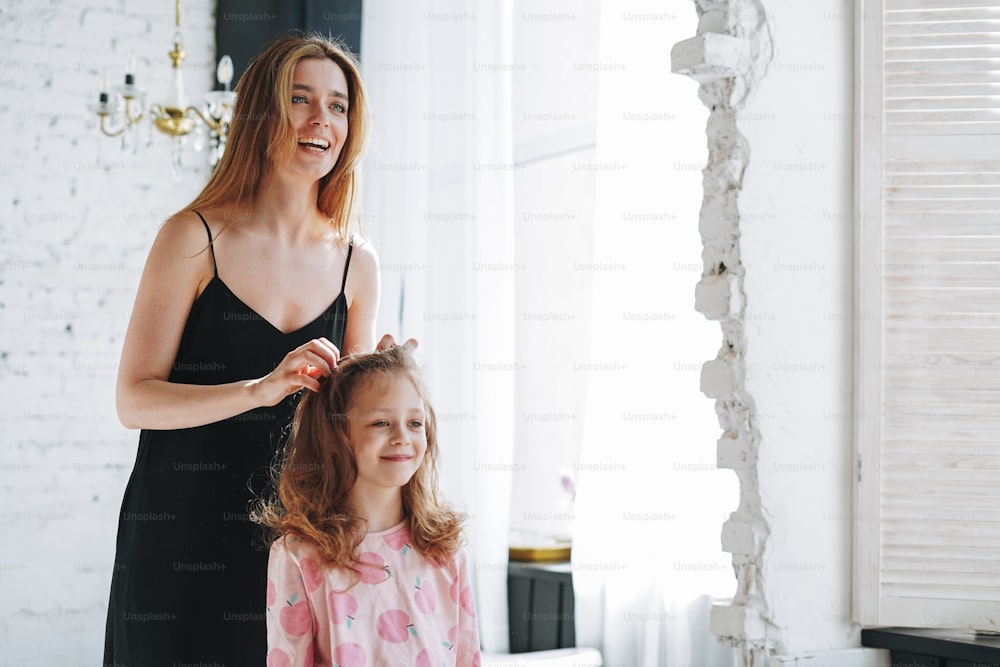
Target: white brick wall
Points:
x,y
77,216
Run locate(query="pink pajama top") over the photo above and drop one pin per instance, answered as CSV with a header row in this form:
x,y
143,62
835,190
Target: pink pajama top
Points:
x,y
404,611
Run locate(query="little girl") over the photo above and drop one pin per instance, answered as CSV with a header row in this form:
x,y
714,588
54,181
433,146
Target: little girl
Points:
x,y
367,567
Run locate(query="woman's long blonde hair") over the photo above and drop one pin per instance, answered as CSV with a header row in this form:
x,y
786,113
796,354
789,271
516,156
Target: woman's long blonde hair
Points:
x,y
261,131
319,469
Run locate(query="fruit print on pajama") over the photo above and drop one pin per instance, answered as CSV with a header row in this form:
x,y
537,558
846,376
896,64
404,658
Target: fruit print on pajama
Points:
x,y
373,569
295,617
398,541
397,608
343,606
424,596
394,626
349,654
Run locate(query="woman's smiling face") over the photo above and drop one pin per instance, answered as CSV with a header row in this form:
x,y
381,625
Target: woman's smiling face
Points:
x,y
319,108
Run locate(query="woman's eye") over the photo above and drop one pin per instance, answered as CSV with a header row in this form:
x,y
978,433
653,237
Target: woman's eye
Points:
x,y
298,99
338,107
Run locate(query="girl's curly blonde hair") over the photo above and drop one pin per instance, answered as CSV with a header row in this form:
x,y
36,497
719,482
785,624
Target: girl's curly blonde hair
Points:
x,y
318,470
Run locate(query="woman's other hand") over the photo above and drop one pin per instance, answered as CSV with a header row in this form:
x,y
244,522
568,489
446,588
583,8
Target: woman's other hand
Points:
x,y
387,342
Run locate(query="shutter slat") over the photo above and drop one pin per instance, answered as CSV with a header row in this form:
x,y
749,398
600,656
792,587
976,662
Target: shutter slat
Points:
x,y
922,572
899,448
892,6
964,336
972,301
976,402
937,341
943,179
957,244
975,463
931,165
964,60
943,494
907,42
949,277
945,384
943,589
901,531
985,19
965,122
969,224
895,206
940,103
950,553
919,539
974,191
933,153
919,78
932,320
941,90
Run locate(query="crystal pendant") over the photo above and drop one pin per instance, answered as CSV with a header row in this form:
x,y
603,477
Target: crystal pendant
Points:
x,y
198,141
176,158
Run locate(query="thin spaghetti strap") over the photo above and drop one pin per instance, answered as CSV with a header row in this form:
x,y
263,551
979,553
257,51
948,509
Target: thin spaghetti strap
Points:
x,y
347,264
211,247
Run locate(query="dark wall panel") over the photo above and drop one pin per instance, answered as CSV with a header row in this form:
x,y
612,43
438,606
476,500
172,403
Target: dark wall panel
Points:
x,y
244,27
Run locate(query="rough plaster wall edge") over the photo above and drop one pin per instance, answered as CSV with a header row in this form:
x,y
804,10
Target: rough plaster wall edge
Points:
x,y
729,57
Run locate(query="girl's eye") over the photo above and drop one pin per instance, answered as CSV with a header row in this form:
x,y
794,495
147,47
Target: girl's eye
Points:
x,y
298,99
381,423
416,424
338,107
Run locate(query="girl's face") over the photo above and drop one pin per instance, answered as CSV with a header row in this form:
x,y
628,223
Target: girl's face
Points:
x,y
386,429
319,115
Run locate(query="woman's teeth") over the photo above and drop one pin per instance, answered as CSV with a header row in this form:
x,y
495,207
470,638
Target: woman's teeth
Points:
x,y
317,145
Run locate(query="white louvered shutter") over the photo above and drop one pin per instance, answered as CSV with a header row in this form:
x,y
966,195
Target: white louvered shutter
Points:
x,y
927,512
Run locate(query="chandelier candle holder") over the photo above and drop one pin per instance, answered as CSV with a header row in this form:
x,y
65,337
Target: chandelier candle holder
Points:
x,y
122,113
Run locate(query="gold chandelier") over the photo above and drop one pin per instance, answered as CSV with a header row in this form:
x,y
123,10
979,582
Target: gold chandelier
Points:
x,y
122,113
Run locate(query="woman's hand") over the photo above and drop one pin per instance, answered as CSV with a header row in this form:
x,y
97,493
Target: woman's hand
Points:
x,y
302,368
306,365
389,342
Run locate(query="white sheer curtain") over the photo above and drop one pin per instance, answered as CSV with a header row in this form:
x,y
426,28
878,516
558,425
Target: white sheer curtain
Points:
x,y
650,503
438,207
438,204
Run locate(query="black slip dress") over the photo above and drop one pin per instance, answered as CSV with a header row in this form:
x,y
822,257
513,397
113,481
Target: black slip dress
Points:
x,y
189,580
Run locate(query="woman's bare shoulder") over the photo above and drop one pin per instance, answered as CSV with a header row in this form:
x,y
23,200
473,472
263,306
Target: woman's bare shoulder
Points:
x,y
184,232
364,253
181,255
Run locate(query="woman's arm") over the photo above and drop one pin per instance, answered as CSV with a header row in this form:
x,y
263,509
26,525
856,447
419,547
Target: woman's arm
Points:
x,y
363,290
364,294
177,269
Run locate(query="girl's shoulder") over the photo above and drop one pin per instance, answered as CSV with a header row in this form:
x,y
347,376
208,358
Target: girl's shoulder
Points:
x,y
293,546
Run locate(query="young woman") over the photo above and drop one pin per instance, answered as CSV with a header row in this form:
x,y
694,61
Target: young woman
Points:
x,y
250,295
367,567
